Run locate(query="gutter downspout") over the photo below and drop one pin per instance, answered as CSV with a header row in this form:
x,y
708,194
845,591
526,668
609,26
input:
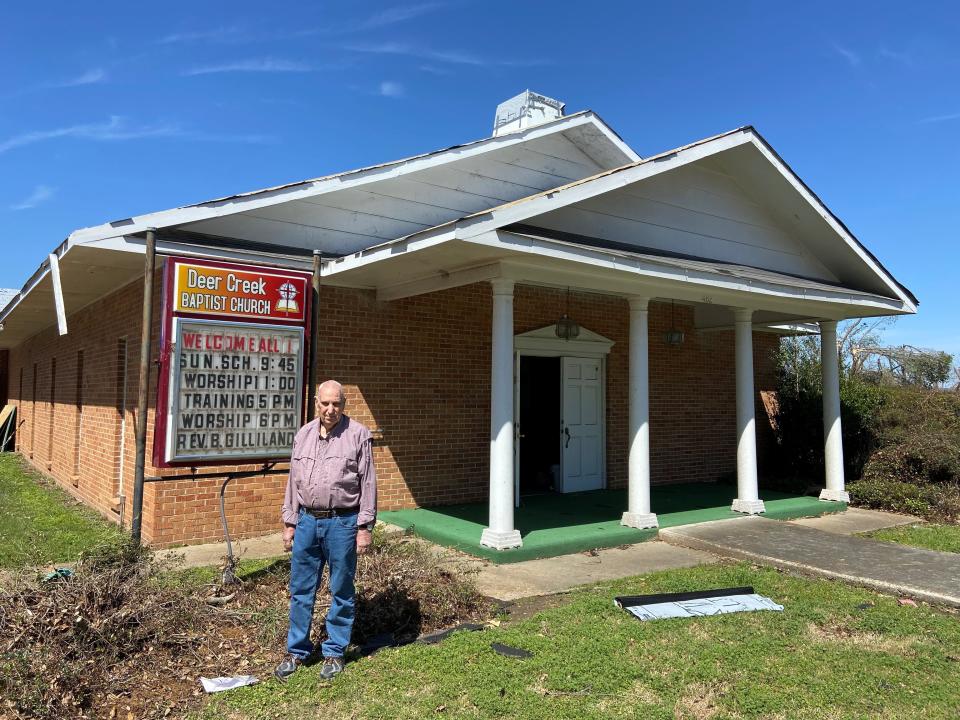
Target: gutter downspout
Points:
x,y
146,330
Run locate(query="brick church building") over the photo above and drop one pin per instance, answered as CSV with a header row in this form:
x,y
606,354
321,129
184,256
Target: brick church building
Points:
x,y
539,310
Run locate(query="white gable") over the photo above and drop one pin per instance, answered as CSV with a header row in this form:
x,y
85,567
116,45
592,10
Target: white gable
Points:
x,y
692,210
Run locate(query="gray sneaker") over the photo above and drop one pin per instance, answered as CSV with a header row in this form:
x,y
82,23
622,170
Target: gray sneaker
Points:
x,y
288,667
331,666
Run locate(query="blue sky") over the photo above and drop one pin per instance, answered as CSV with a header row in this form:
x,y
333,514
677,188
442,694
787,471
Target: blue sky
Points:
x,y
108,110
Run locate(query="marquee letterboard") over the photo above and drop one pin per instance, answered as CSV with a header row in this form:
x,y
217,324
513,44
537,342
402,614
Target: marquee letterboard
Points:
x,y
232,381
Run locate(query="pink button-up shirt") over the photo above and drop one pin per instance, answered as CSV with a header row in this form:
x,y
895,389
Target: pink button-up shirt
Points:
x,y
332,472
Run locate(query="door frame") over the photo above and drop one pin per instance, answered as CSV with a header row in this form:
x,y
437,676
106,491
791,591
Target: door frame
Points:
x,y
543,342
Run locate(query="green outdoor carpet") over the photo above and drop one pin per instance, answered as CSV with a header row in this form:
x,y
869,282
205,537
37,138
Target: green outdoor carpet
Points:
x,y
554,524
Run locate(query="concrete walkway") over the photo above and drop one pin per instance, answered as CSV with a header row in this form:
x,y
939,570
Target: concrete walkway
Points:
x,y
565,572
855,520
888,567
503,582
265,546
560,574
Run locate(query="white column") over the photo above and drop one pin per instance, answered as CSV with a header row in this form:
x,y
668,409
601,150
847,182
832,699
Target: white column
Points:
x,y
748,498
638,513
501,534
832,437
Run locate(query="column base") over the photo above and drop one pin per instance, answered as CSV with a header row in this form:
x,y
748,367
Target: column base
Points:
x,y
834,495
640,521
749,507
501,539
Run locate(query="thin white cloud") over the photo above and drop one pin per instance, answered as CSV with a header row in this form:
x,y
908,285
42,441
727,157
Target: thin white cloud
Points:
x,y
434,70
250,139
453,57
391,89
257,65
219,34
849,55
90,77
904,58
395,15
40,194
117,128
940,118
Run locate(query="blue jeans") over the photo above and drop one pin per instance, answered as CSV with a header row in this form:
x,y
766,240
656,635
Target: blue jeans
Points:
x,y
331,541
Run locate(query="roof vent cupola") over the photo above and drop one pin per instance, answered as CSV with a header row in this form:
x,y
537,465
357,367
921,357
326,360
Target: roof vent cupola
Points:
x,y
525,110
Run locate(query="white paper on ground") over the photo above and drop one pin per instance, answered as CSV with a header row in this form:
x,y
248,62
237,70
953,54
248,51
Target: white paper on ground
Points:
x,y
212,685
704,606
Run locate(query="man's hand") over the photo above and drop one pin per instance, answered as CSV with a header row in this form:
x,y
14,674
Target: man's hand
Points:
x,y
364,541
288,532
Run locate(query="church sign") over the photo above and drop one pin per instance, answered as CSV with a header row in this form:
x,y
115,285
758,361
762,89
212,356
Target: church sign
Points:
x,y
232,366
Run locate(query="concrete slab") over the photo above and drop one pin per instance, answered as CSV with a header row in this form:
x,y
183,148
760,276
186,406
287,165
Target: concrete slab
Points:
x,y
565,572
891,568
503,582
855,520
265,546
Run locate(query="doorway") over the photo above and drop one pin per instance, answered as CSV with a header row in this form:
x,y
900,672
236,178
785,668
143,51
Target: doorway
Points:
x,y
540,424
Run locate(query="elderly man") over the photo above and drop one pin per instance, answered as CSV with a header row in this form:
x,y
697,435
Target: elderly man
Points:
x,y
329,511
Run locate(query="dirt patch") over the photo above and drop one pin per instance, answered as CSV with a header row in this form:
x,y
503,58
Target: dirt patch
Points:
x,y
699,701
524,608
117,639
834,633
639,693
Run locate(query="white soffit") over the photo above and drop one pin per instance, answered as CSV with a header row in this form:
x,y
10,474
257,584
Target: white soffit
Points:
x,y
584,129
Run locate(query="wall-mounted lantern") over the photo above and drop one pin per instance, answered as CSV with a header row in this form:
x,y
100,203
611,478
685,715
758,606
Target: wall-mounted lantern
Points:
x,y
673,336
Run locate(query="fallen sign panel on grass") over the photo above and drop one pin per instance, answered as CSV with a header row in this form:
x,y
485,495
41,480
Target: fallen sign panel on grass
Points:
x,y
219,684
695,604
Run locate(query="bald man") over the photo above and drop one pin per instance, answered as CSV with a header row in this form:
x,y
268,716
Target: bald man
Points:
x,y
329,511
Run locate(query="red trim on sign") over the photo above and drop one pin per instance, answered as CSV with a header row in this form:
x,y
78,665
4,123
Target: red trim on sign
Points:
x,y
166,345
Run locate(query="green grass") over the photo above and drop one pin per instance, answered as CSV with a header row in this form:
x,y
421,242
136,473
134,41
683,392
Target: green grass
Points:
x,y
945,538
835,652
41,524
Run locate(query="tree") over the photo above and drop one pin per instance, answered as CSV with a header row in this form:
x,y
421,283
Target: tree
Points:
x,y
855,335
909,366
926,368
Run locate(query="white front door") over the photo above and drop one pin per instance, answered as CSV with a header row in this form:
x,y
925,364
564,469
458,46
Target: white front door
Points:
x,y
582,424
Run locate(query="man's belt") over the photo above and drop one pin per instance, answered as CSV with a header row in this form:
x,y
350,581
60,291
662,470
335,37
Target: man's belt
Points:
x,y
324,513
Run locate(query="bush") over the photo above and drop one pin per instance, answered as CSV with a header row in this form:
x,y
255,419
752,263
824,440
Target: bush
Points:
x,y
800,424
919,438
892,495
901,445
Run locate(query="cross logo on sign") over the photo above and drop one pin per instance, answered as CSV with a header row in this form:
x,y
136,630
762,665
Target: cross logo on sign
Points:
x,y
287,302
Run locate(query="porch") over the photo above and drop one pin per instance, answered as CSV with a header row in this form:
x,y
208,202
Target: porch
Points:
x,y
554,524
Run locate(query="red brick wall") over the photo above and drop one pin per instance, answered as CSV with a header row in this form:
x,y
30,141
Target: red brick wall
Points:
x,y
417,369
85,462
4,376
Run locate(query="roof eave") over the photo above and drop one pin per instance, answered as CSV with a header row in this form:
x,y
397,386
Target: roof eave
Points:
x,y
241,202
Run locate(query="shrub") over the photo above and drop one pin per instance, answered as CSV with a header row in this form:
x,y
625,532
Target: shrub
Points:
x,y
892,495
901,444
800,424
919,437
